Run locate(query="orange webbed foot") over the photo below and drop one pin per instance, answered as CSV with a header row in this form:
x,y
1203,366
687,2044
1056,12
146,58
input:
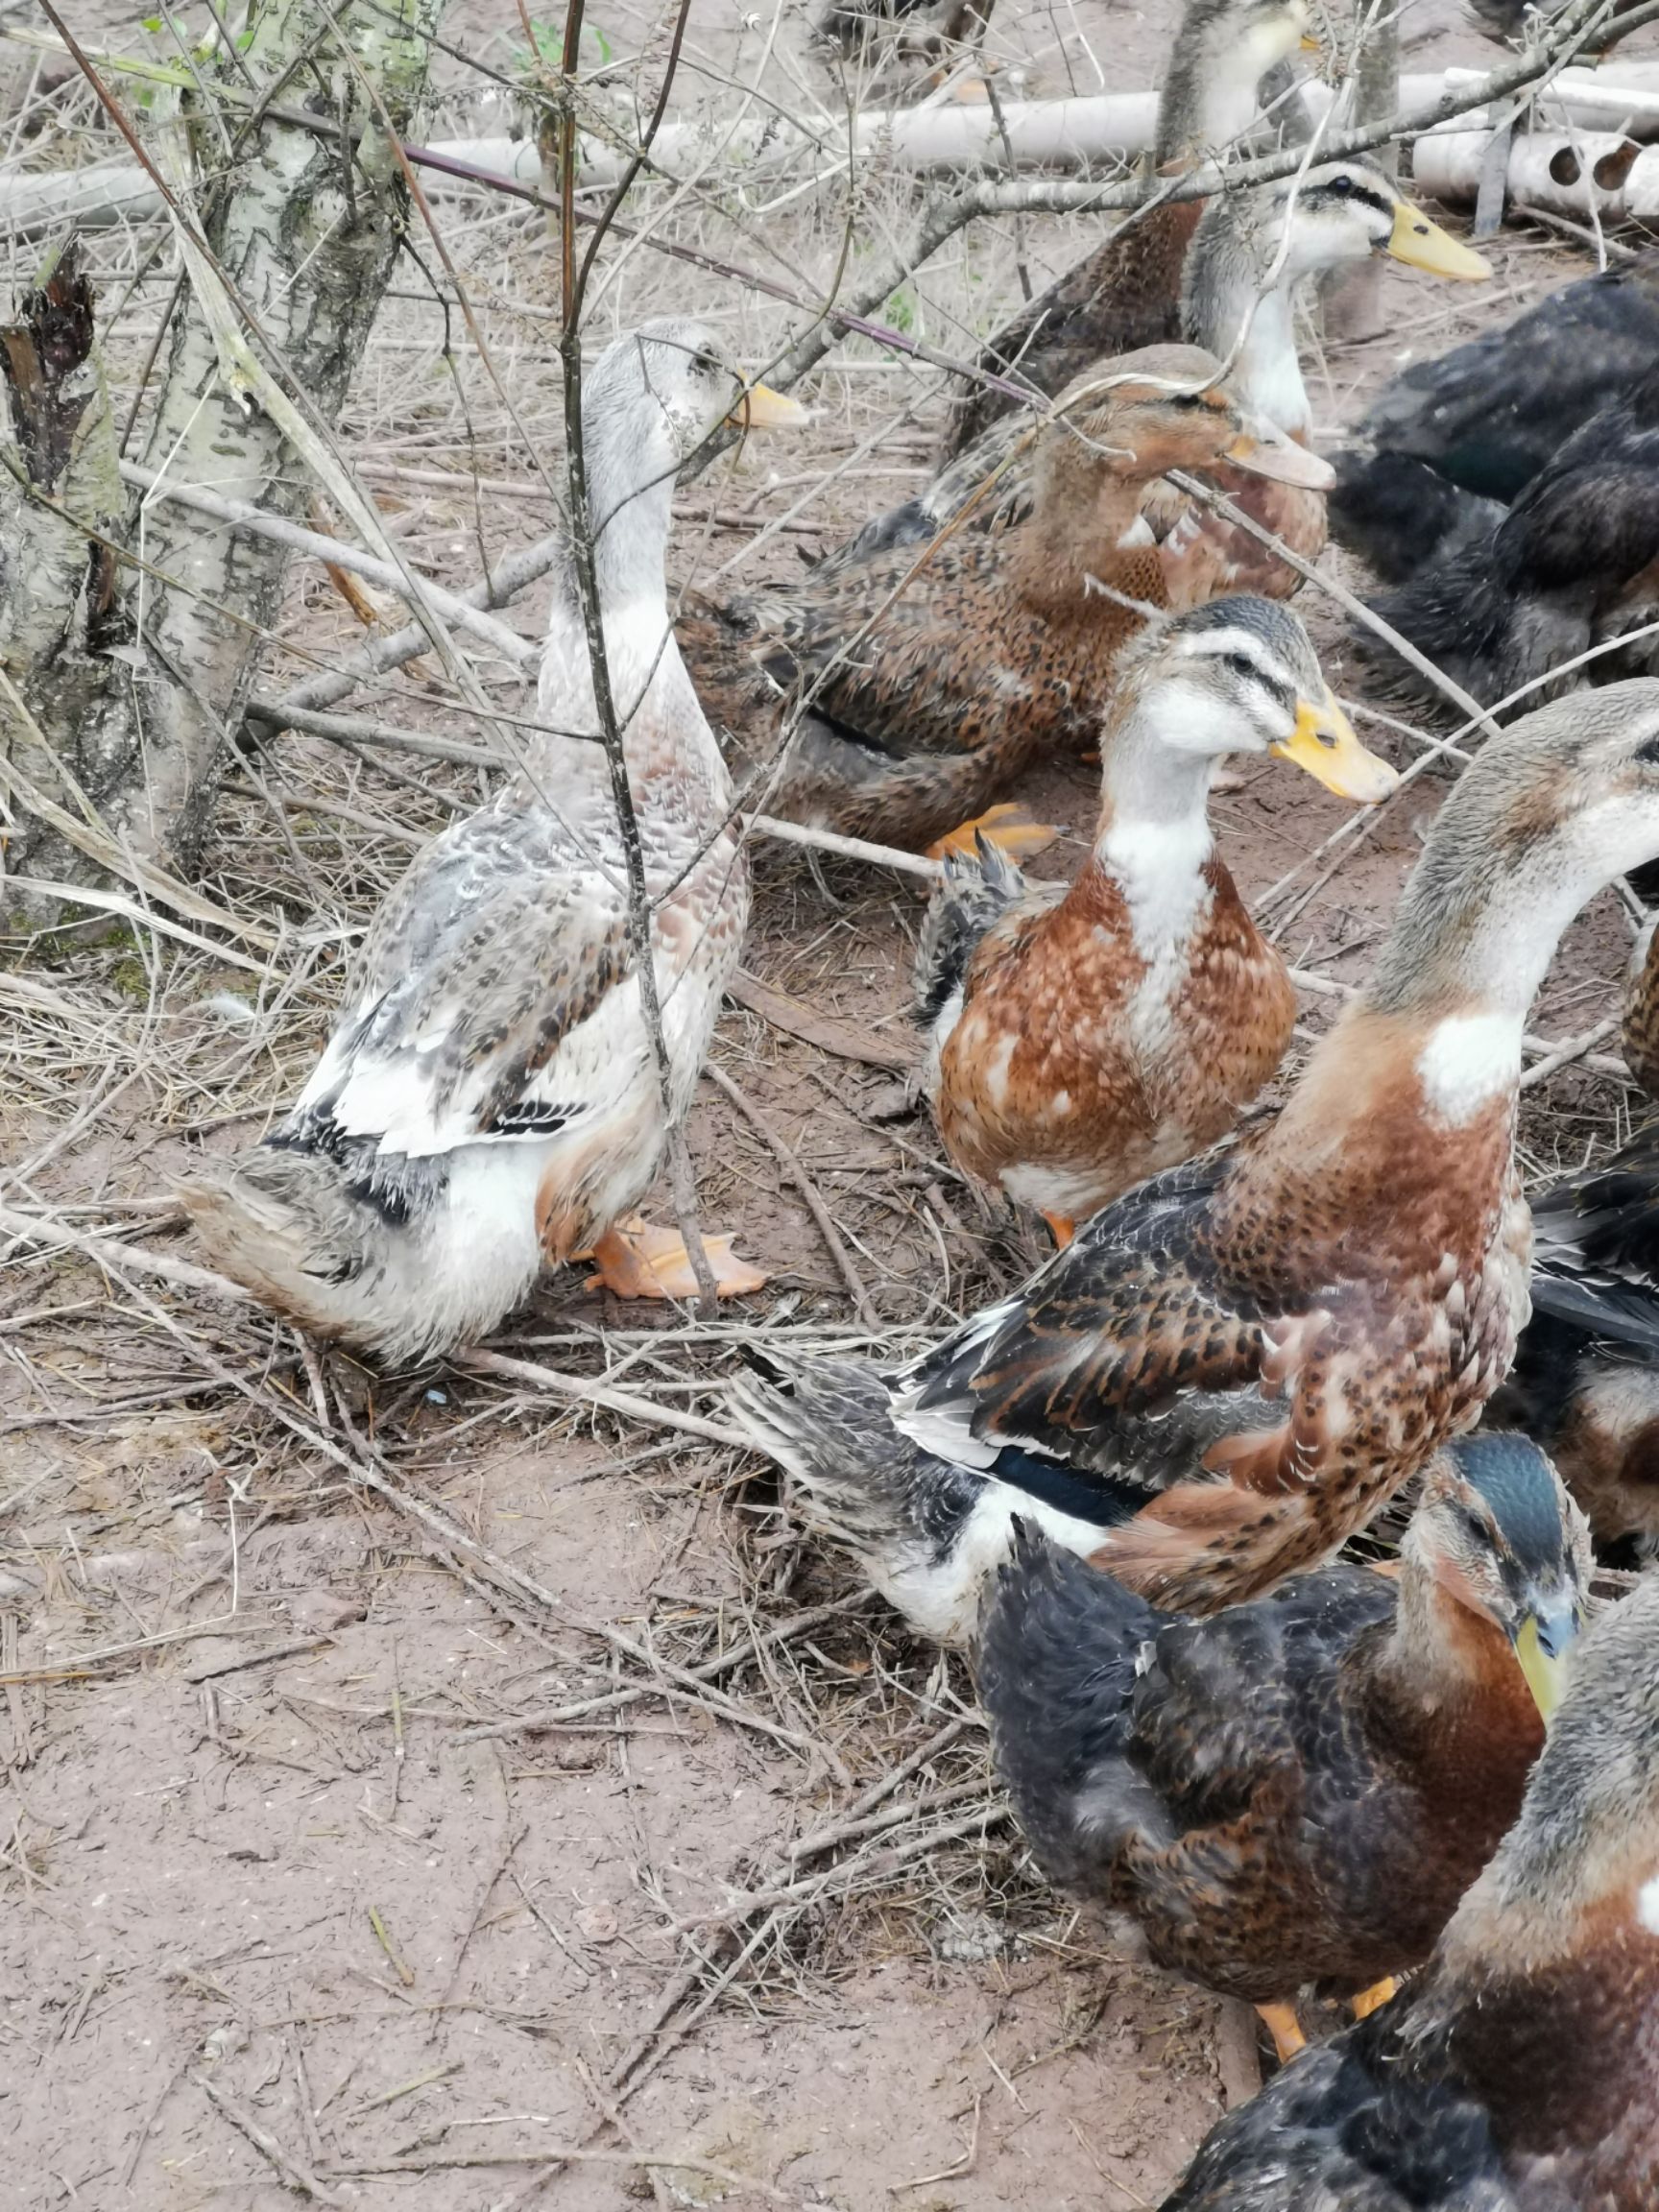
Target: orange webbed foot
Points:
x,y
1008,827
637,1260
1285,2029
1373,2000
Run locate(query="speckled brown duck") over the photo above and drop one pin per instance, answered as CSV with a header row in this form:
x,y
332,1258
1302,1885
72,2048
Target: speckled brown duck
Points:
x,y
895,698
1299,1789
1127,293
1234,1366
1518,2074
1079,1043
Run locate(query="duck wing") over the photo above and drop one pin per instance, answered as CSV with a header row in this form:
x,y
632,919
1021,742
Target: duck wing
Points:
x,y
1596,1255
900,653
1488,415
486,1005
1127,1356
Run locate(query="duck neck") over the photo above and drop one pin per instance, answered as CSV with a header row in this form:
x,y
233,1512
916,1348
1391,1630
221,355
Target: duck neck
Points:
x,y
1439,1652
1475,929
630,500
1153,835
1224,307
1084,516
1209,98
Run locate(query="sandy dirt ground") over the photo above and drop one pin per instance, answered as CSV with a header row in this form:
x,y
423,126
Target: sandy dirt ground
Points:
x,y
406,1779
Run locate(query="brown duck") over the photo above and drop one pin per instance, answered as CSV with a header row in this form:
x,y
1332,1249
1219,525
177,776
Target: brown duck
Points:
x,y
1253,254
1233,1366
894,698
1298,1789
1079,1043
1518,2075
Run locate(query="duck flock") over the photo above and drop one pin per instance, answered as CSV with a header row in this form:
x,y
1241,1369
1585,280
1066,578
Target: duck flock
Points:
x,y
1431,1785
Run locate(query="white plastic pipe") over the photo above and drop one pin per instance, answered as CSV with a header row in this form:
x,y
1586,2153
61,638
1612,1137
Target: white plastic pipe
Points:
x,y
1580,174
947,135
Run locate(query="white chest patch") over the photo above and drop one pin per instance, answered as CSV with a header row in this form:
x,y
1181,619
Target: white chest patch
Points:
x,y
1467,1060
1158,866
1648,1905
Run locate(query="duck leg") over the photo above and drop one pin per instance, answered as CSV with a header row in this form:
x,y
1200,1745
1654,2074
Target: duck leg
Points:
x,y
1008,827
1285,2029
1372,2000
637,1260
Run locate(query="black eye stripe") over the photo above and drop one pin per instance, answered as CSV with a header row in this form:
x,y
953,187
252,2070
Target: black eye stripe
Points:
x,y
1351,194
1251,670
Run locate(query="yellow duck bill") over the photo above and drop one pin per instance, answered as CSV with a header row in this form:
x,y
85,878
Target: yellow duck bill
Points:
x,y
760,408
1423,245
1323,743
1541,1648
1264,452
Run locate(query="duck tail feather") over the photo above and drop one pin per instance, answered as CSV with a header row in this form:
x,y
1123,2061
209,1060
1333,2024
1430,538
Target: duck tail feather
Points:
x,y
901,1512
381,1261
974,892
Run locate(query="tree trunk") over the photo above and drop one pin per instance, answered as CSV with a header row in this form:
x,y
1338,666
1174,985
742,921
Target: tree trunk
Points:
x,y
133,696
61,609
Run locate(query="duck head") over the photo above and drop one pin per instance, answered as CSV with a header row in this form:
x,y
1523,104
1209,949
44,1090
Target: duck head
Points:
x,y
1222,52
659,392
1497,1535
1143,414
1239,675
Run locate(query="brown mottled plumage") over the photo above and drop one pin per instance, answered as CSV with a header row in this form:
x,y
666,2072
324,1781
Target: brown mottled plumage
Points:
x,y
1081,1046
1236,1364
1299,1788
1639,1031
1276,1340
929,675
1252,257
1518,2073
1127,293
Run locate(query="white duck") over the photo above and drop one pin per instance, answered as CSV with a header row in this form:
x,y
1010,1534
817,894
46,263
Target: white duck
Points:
x,y
489,1097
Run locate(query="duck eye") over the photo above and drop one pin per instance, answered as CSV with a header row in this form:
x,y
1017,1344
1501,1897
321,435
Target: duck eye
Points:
x,y
1187,399
1647,752
1341,186
1238,665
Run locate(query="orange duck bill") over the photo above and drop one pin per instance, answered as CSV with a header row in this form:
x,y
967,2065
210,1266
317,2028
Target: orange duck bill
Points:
x,y
1263,450
1323,743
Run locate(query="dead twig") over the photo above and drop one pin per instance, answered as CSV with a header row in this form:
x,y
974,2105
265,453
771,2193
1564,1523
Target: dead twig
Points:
x,y
809,1189
291,2169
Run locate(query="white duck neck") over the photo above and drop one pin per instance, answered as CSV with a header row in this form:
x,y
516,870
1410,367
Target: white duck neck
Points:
x,y
1153,837
1222,301
630,500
